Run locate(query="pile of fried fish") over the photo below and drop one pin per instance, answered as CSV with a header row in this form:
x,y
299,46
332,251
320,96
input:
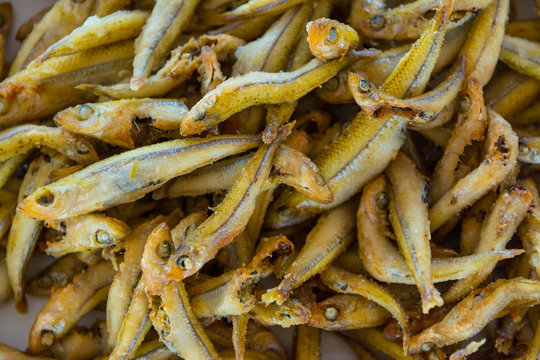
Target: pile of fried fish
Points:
x,y
198,171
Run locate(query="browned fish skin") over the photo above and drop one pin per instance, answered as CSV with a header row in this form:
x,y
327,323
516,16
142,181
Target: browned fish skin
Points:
x,y
230,217
69,304
239,93
25,231
20,139
130,175
348,162
112,121
59,274
472,313
50,86
60,20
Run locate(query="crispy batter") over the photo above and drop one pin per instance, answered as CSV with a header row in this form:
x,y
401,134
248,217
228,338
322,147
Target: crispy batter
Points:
x,y
130,176
500,160
408,20
329,238
366,146
69,304
409,219
241,92
471,314
230,217
157,37
25,231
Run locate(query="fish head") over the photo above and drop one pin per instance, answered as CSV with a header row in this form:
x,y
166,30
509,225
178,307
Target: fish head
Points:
x,y
81,119
157,249
111,232
377,26
346,311
43,334
51,202
100,229
187,260
291,313
330,39
201,116
17,102
364,93
529,150
331,311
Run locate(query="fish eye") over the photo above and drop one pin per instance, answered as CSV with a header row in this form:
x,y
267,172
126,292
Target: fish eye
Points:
x,y
364,85
45,282
377,22
200,115
164,250
63,227
331,313
465,102
283,211
184,262
21,172
103,237
319,180
523,148
82,148
332,35
427,346
382,201
47,338
85,111
46,198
